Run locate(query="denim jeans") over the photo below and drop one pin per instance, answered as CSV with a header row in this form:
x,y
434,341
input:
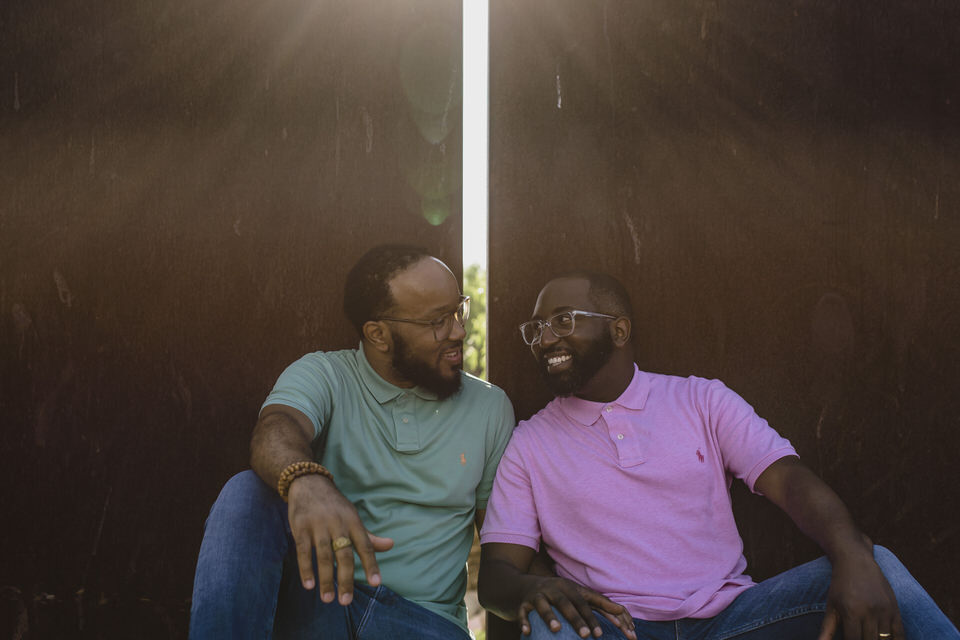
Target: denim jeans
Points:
x,y
247,584
789,606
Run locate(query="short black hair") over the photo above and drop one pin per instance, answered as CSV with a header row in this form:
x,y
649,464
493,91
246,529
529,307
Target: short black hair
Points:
x,y
606,292
366,293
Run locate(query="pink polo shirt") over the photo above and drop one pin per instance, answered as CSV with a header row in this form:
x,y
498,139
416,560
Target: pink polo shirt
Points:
x,y
632,498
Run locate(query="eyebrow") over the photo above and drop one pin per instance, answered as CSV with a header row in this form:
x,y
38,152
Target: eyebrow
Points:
x,y
445,308
556,310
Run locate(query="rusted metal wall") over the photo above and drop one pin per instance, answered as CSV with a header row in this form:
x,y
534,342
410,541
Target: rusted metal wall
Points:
x,y
778,184
183,186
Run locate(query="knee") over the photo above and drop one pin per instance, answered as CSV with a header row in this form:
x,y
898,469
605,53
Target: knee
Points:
x,y
886,559
245,482
243,496
893,570
539,630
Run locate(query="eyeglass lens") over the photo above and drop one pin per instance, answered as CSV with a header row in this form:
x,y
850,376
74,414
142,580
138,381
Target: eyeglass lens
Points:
x,y
561,325
443,326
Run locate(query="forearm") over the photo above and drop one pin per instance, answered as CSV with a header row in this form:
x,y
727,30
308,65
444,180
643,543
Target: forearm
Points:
x,y
278,441
501,587
817,511
542,564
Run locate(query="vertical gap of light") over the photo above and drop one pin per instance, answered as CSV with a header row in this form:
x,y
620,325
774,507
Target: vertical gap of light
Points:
x,y
475,132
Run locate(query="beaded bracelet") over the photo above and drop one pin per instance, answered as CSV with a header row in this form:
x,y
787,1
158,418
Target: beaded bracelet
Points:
x,y
297,469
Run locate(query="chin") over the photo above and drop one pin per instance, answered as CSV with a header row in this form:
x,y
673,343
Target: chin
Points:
x,y
562,384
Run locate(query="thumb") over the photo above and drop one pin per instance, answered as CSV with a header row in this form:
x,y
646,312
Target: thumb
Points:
x,y
379,543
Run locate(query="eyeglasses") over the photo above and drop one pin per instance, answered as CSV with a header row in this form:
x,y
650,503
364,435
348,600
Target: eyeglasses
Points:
x,y
561,325
443,325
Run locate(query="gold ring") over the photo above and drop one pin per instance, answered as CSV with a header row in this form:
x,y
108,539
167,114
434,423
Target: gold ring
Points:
x,y
341,543
884,635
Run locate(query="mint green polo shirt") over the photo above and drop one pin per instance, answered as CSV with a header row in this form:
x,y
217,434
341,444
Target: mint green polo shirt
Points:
x,y
415,467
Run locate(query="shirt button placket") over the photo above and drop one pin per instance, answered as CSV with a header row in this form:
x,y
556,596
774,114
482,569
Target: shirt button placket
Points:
x,y
408,436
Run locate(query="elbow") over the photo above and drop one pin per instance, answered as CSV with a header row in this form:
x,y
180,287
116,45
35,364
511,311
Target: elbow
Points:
x,y
483,589
487,592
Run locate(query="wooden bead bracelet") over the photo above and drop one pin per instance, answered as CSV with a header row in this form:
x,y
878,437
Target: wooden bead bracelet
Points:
x,y
297,469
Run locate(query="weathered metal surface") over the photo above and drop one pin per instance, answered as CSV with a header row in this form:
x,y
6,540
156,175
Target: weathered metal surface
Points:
x,y
183,186
778,185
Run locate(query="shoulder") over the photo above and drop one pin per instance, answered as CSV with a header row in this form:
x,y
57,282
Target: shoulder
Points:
x,y
473,389
690,388
544,421
329,359
483,398
324,365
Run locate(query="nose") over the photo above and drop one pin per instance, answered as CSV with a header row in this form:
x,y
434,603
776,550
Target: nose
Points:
x,y
458,332
547,337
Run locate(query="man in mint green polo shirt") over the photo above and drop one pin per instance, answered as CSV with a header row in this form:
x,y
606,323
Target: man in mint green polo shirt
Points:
x,y
386,455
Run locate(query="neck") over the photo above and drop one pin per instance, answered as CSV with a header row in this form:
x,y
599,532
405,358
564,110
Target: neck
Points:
x,y
382,364
610,382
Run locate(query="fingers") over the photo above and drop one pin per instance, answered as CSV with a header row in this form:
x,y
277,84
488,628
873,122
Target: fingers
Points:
x,y
829,626
379,543
525,608
886,628
304,546
623,622
615,613
897,629
329,529
598,601
851,628
344,558
542,606
578,614
867,627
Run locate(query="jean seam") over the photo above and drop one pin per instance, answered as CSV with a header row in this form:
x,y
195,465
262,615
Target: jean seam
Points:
x,y
796,612
368,612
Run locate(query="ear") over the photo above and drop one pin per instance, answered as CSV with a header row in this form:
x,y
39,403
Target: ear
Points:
x,y
377,335
620,331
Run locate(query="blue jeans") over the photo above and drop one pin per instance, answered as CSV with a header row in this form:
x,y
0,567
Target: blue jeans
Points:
x,y
789,606
247,584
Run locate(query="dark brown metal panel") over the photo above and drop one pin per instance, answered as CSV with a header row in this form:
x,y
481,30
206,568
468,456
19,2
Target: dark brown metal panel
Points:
x,y
183,186
777,185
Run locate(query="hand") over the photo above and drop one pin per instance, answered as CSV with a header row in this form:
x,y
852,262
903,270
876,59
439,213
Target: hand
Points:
x,y
319,514
576,603
861,600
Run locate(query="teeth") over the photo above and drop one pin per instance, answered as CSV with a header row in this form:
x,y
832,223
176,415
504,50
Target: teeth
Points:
x,y
555,360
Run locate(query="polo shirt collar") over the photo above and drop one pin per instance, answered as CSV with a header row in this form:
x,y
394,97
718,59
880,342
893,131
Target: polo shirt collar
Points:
x,y
382,390
586,412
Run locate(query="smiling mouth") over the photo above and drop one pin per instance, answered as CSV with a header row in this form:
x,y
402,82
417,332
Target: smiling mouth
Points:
x,y
454,355
556,361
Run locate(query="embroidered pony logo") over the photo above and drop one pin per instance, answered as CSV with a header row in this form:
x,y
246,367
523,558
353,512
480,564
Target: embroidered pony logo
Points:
x,y
463,459
700,456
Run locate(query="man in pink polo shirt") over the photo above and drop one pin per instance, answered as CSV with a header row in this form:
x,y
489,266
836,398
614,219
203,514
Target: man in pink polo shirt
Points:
x,y
625,478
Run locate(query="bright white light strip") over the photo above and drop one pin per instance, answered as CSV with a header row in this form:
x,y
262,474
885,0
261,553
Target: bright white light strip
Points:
x,y
475,130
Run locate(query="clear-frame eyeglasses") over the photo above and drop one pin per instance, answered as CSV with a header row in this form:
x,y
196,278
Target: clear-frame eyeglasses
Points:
x,y
561,325
443,325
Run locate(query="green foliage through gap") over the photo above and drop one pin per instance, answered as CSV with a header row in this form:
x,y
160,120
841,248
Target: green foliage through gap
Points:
x,y
475,344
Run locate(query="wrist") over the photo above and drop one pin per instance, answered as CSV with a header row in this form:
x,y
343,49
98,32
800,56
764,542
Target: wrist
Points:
x,y
298,470
854,550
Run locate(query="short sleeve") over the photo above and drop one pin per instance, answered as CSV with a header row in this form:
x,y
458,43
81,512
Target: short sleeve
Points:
x,y
307,385
512,512
499,430
747,443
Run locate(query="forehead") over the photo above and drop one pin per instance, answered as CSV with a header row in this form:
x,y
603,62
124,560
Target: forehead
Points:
x,y
426,286
563,294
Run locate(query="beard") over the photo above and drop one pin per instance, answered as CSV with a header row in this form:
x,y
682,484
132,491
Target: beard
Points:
x,y
422,373
584,365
